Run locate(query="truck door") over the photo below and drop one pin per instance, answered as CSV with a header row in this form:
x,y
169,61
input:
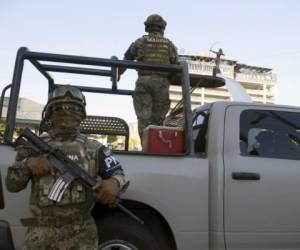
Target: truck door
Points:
x,y
262,178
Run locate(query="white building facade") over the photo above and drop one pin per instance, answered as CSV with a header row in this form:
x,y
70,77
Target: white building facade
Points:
x,y
260,83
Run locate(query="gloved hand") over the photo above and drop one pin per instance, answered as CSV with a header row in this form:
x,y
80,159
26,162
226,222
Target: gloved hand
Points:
x,y
39,166
107,191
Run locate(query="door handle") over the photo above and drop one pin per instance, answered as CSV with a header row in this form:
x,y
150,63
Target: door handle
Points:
x,y
245,176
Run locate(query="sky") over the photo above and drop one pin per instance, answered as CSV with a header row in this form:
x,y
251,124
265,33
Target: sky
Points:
x,y
261,33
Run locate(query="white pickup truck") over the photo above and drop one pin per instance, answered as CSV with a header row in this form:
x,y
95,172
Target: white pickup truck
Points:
x,y
234,187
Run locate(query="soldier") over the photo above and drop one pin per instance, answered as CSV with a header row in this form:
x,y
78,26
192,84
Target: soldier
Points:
x,y
151,97
67,224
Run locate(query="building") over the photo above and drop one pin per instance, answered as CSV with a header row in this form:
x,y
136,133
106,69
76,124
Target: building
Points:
x,y
29,113
260,83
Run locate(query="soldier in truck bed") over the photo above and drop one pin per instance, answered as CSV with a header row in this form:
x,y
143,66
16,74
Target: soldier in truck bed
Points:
x,y
151,96
68,223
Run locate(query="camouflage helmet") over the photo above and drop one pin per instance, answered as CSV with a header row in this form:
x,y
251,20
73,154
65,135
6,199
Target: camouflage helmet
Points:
x,y
63,96
155,20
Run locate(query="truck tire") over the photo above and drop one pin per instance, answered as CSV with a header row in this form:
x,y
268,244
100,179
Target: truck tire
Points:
x,y
119,232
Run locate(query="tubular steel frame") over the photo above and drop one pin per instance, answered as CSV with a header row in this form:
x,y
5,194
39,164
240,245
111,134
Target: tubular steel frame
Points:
x,y
2,99
113,64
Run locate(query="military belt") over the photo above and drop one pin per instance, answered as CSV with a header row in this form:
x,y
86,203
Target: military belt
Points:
x,y
54,221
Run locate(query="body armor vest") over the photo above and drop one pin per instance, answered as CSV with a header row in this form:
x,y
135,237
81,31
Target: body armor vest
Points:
x,y
76,197
154,49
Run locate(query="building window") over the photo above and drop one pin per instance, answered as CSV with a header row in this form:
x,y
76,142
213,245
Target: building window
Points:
x,y
268,133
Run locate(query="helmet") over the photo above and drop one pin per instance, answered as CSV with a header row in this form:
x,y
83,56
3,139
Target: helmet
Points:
x,y
155,20
65,97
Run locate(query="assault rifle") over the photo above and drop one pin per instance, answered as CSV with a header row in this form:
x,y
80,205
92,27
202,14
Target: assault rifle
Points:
x,y
70,170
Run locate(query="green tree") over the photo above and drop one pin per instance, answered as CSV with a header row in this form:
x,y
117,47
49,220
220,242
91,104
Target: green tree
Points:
x,y
17,132
2,128
111,138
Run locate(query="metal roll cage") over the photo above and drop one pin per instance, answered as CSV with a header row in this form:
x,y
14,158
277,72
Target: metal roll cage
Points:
x,y
38,61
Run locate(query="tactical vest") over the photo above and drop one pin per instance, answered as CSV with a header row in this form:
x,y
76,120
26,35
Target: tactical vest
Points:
x,y
154,49
81,151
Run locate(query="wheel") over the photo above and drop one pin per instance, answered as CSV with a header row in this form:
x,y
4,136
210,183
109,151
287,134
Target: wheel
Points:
x,y
119,232
116,245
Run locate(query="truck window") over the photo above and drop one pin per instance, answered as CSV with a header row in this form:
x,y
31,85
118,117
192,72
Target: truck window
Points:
x,y
200,123
269,133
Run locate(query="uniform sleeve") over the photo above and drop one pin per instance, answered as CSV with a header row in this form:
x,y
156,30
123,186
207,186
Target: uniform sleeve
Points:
x,y
18,175
134,51
109,165
173,54
129,55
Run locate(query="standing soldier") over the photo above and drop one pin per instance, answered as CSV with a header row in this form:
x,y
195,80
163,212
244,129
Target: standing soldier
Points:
x,y
67,224
151,97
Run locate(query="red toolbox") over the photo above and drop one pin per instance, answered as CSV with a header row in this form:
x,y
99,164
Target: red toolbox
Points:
x,y
160,139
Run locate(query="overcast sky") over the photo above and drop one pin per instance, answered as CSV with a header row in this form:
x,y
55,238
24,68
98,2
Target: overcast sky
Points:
x,y
261,33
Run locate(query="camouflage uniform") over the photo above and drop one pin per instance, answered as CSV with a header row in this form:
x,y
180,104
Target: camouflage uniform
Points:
x,y
151,97
67,224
